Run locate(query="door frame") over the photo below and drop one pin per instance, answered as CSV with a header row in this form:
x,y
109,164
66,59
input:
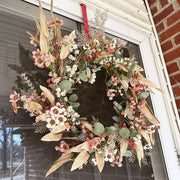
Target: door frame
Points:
x,y
145,39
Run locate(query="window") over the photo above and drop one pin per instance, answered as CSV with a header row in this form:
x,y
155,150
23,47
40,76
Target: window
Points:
x,y
23,155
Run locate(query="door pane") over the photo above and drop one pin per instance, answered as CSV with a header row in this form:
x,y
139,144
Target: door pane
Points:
x,y
22,154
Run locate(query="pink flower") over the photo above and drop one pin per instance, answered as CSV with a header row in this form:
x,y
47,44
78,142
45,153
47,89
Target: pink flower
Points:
x,y
64,147
33,42
23,74
14,105
14,97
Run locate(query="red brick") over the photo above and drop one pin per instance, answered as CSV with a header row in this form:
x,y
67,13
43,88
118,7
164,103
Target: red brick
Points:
x,y
172,68
163,14
154,10
177,39
178,1
172,55
166,46
163,2
173,18
160,27
175,79
169,32
176,91
151,2
178,103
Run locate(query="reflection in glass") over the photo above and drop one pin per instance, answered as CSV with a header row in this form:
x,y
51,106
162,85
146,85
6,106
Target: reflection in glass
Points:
x,y
22,154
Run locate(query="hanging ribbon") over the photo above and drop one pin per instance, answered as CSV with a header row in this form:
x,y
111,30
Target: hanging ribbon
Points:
x,y
85,18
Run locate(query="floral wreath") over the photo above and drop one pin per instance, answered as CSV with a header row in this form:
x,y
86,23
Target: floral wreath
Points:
x,y
70,63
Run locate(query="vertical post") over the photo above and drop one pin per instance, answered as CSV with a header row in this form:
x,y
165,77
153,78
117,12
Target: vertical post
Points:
x,y
11,155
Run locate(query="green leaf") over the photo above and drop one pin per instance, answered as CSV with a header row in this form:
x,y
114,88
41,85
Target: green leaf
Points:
x,y
124,84
83,77
111,145
134,133
65,85
110,130
88,73
124,132
96,70
75,104
144,95
108,83
73,97
98,128
118,106
128,153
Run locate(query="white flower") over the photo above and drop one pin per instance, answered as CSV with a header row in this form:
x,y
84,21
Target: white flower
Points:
x,y
61,120
94,161
137,139
55,111
151,129
51,123
68,68
65,99
70,109
76,52
63,93
92,78
109,157
58,89
58,94
148,146
76,115
75,46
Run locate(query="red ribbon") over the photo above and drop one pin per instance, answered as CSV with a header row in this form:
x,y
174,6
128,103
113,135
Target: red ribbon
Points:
x,y
85,18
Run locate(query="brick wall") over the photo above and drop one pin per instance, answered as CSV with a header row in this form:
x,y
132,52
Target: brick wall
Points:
x,y
166,15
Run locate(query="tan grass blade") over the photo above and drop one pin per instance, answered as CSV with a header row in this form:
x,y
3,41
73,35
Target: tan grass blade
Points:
x,y
43,21
146,136
149,115
147,81
80,160
100,161
48,95
124,145
59,129
34,106
133,94
42,117
59,162
140,152
65,52
52,15
87,125
152,138
51,137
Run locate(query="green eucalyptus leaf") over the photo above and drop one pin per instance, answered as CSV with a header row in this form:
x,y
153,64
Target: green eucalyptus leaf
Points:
x,y
110,130
111,145
98,128
73,97
65,85
144,95
96,70
83,77
124,84
88,73
75,104
108,83
124,132
134,133
128,153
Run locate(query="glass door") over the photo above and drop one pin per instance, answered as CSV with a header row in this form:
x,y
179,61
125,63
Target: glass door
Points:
x,y
22,154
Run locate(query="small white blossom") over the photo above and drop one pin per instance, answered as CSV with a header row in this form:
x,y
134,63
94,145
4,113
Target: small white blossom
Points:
x,y
92,78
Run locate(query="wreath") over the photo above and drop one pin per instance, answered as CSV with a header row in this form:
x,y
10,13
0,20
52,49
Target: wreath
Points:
x,y
71,62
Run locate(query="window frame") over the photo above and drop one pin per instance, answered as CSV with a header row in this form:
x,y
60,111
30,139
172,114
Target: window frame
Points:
x,y
145,39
